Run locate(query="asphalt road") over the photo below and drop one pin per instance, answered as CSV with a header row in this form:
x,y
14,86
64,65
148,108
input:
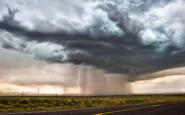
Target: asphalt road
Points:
x,y
143,109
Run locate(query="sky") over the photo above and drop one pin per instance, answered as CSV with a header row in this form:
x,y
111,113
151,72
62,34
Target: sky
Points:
x,y
92,47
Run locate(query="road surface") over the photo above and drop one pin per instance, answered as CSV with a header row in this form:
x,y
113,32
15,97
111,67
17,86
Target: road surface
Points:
x,y
142,109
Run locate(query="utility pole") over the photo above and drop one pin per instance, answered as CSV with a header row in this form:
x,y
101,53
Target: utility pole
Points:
x,y
22,93
38,92
123,99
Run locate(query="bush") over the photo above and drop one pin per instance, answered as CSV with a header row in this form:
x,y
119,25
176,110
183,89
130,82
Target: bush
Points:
x,y
88,104
134,101
24,101
3,106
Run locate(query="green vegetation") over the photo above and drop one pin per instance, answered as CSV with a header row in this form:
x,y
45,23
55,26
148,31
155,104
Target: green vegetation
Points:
x,y
20,104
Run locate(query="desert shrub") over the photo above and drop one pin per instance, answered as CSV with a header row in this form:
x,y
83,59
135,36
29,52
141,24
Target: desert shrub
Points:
x,y
5,101
134,101
88,104
17,105
3,106
24,101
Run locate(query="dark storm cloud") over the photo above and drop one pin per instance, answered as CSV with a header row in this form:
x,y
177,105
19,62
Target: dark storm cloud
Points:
x,y
116,54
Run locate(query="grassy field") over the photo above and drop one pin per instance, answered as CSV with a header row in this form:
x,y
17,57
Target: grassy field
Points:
x,y
22,104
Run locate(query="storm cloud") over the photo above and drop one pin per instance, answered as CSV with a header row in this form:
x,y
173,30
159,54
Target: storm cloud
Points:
x,y
117,37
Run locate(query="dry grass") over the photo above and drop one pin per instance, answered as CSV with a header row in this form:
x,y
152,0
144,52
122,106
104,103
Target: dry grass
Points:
x,y
20,104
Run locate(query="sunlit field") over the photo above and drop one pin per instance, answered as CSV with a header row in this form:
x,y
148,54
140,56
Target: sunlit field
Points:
x,y
25,104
